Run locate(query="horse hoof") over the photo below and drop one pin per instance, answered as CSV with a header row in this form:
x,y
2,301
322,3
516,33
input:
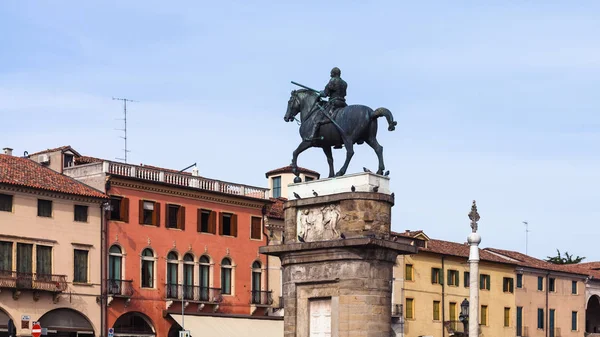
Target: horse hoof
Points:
x,y
339,174
380,172
297,180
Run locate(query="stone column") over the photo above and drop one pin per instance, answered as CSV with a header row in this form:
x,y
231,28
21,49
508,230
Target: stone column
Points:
x,y
339,255
474,240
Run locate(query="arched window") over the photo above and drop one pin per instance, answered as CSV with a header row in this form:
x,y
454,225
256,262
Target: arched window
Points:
x,y
188,276
226,271
147,268
172,266
115,267
204,277
256,282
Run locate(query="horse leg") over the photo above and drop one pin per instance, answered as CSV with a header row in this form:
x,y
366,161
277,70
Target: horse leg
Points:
x,y
372,141
327,150
303,146
349,153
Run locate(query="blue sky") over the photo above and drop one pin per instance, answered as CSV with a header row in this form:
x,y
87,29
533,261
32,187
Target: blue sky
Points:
x,y
495,101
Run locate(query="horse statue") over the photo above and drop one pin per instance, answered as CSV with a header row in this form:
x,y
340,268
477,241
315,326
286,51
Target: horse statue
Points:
x,y
353,124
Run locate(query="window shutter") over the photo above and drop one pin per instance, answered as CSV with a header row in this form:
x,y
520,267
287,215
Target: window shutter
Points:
x,y
234,224
199,221
167,215
220,223
182,218
449,278
125,209
457,283
212,222
489,280
141,212
481,281
156,214
432,275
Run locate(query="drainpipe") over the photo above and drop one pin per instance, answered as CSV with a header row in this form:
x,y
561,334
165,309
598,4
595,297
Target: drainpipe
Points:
x,y
264,211
103,280
443,296
547,312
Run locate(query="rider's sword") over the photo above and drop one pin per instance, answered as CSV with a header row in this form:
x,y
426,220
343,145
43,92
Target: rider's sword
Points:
x,y
320,108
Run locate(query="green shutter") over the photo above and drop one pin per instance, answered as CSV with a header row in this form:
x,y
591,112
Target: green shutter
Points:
x,y
489,280
433,275
449,277
481,281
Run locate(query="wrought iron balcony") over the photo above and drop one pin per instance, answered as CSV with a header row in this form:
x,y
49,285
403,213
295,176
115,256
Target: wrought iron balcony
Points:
x,y
261,297
120,288
193,293
397,310
33,281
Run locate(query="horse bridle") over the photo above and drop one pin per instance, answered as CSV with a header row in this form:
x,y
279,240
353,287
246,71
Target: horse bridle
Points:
x,y
312,108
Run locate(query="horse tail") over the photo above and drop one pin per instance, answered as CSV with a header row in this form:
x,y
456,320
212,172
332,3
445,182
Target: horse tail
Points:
x,y
383,112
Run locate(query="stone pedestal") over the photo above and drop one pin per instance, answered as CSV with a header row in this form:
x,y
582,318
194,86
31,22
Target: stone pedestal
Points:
x,y
338,259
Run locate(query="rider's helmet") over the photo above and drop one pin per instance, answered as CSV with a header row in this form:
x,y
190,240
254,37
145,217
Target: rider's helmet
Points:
x,y
336,72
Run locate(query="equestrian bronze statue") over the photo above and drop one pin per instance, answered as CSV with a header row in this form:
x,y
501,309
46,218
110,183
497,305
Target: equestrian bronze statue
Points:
x,y
334,123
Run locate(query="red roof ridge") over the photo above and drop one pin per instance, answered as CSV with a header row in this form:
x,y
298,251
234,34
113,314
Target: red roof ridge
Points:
x,y
60,148
24,172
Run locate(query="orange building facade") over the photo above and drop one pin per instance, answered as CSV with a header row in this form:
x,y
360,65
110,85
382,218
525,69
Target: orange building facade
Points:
x,y
175,239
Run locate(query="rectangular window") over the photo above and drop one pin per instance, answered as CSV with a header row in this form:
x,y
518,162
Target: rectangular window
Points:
x,y
276,187
80,213
410,307
6,202
68,160
574,320
484,315
80,272
43,261
552,284
540,318
149,213
519,280
467,277
506,317
484,282
519,321
574,287
24,264
453,278
409,272
436,310
436,276
507,285
119,209
228,224
256,228
207,221
6,256
540,283
452,311
175,216
45,208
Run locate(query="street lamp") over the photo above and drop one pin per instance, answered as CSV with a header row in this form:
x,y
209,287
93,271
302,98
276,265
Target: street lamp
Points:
x,y
464,315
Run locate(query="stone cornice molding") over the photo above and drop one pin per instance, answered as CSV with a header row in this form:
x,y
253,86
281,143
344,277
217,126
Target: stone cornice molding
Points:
x,y
50,194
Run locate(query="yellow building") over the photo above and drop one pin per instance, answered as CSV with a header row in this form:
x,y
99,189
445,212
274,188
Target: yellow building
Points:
x,y
432,284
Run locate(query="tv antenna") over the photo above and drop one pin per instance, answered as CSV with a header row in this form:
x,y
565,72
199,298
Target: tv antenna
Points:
x,y
526,235
125,100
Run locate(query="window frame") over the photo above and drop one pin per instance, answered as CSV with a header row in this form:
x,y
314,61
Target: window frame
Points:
x,y
152,261
40,203
80,207
412,308
552,284
484,309
453,278
10,201
484,285
123,203
179,217
87,266
154,219
574,321
467,279
233,224
436,276
409,276
276,188
540,285
574,287
260,228
508,285
211,221
228,267
436,310
540,318
519,281
12,255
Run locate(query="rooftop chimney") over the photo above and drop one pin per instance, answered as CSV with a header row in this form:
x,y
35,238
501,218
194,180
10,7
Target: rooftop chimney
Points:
x,y
195,172
7,151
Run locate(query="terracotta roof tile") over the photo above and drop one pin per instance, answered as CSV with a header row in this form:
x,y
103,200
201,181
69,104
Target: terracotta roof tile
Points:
x,y
86,160
27,173
461,250
531,262
62,148
276,210
288,169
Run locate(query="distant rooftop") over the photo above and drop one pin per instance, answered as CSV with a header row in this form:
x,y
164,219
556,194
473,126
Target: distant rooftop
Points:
x,y
27,173
288,169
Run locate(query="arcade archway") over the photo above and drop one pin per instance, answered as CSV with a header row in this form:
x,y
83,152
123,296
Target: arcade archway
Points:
x,y
4,317
65,322
592,315
134,324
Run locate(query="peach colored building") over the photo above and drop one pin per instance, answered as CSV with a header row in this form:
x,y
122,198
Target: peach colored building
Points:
x,y
50,250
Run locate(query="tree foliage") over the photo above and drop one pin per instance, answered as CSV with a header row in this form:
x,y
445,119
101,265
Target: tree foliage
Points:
x,y
567,259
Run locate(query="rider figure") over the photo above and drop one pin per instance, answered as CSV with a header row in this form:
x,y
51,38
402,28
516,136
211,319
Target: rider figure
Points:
x,y
336,91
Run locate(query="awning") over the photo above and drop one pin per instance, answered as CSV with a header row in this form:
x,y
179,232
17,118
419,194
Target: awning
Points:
x,y
231,327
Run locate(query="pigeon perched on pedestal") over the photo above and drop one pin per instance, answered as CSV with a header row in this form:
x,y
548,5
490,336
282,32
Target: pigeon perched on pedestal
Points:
x,y
297,196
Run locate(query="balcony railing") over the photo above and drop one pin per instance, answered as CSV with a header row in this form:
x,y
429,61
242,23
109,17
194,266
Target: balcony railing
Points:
x,y
168,177
121,288
193,293
261,297
33,281
397,310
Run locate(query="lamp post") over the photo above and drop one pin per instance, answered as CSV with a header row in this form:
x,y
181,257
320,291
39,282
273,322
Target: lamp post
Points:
x,y
474,240
464,316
